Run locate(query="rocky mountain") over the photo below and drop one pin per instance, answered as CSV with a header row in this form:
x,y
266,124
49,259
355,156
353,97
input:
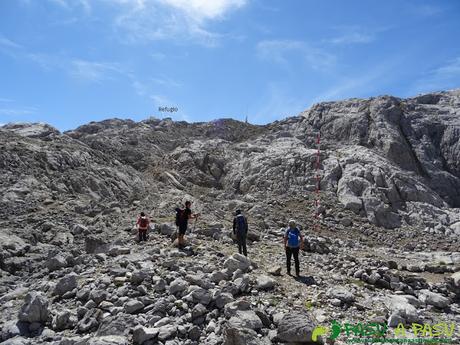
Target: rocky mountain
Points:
x,y
385,247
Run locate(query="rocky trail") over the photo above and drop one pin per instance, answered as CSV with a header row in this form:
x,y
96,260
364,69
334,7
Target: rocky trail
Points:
x,y
119,288
385,249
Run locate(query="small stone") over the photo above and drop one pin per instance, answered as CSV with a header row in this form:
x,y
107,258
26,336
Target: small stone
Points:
x,y
275,271
177,286
66,284
166,332
198,310
56,263
194,333
341,294
119,281
432,298
237,261
222,299
245,319
142,334
138,277
133,306
346,222
265,282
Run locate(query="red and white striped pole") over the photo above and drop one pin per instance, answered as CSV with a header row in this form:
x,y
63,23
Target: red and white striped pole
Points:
x,y
318,180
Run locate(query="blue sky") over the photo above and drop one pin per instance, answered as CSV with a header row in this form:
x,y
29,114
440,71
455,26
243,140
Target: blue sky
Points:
x,y
68,62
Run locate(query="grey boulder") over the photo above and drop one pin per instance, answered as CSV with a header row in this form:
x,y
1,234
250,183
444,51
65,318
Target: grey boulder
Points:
x,y
35,308
295,327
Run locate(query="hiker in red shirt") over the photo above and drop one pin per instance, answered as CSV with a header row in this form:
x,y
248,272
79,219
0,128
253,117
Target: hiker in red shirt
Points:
x,y
143,223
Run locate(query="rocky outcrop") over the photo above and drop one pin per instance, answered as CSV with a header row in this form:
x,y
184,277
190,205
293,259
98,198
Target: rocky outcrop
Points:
x,y
415,141
73,272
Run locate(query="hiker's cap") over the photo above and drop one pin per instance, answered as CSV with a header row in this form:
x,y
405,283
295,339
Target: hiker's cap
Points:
x,y
238,211
292,223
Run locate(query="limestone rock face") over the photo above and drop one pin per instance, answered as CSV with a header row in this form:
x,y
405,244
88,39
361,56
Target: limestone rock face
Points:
x,y
419,138
384,158
382,244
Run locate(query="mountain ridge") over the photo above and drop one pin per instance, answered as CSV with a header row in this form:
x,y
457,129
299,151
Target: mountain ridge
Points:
x,y
385,234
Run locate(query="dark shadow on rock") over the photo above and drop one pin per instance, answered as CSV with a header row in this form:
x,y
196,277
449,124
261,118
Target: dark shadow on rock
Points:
x,y
307,280
187,250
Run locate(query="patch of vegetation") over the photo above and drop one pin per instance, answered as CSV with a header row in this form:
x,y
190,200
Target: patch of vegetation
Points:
x,y
274,301
357,282
163,219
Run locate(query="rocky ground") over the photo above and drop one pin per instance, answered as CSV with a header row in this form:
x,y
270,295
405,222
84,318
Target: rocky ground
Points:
x,y
385,248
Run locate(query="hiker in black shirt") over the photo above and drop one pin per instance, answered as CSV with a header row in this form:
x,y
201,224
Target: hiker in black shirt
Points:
x,y
240,229
182,217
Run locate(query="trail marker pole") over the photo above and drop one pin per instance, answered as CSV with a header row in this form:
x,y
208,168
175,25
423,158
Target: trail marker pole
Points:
x,y
318,180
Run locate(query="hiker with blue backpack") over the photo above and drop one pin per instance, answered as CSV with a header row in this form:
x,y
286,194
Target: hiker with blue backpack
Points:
x,y
293,242
240,230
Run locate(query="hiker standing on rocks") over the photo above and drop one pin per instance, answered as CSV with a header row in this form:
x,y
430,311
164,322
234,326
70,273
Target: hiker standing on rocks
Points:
x,y
293,242
142,224
240,229
182,217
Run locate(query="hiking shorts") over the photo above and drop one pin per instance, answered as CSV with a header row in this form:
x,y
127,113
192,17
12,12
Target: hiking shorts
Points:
x,y
182,229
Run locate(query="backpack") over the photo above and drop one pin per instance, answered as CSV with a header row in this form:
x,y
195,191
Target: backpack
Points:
x,y
240,224
293,237
180,215
143,223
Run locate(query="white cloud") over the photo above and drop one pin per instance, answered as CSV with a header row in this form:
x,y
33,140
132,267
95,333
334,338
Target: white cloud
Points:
x,y
353,38
94,71
451,69
81,69
348,35
281,51
166,82
277,103
343,88
62,3
362,85
13,111
142,21
201,10
185,20
443,77
161,100
9,107
355,34
426,10
142,24
85,4
87,71
73,4
7,43
46,61
158,56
